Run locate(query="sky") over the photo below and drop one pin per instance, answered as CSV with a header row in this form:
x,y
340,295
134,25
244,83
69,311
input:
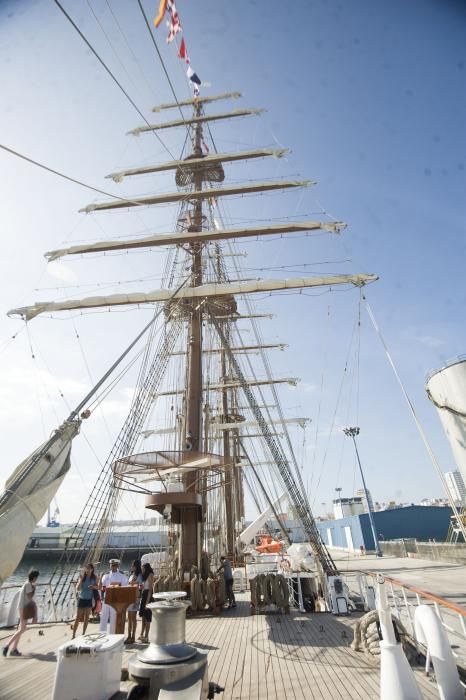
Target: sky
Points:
x,y
370,99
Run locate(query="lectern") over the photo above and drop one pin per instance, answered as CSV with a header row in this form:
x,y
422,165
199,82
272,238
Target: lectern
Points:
x,y
120,598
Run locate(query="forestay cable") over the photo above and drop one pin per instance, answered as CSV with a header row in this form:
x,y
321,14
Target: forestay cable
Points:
x,y
424,439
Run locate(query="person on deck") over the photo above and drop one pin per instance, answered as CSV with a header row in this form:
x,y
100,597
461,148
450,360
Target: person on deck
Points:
x,y
135,579
86,587
113,578
145,613
228,574
27,610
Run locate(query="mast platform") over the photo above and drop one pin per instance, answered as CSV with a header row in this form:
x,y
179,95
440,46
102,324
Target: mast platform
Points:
x,y
264,657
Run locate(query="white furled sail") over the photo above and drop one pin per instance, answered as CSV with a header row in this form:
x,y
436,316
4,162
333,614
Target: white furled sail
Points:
x,y
196,195
29,491
183,237
198,101
196,120
204,160
204,290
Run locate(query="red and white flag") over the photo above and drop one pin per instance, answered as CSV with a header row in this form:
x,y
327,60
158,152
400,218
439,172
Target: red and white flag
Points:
x,y
174,24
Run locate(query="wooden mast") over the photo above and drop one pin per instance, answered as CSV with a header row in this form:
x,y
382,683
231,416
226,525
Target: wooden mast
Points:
x,y
190,535
226,439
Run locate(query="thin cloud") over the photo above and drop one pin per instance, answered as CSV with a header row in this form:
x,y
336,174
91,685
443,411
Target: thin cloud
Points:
x,y
430,341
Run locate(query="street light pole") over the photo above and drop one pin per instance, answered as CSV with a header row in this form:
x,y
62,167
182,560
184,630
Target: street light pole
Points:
x,y
352,432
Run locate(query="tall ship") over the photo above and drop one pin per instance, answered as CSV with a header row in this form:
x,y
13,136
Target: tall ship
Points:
x,y
195,371
206,439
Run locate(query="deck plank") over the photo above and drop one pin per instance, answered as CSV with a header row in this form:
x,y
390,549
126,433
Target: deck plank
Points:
x,y
244,691
262,656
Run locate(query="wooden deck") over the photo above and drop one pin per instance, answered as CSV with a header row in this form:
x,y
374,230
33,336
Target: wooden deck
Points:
x,y
263,656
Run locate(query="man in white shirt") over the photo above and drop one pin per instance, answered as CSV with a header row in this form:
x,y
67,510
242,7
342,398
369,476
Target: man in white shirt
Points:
x,y
113,578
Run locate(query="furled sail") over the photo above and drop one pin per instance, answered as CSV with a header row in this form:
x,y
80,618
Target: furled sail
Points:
x,y
196,195
204,161
182,237
29,491
196,120
241,349
292,381
205,290
198,101
224,427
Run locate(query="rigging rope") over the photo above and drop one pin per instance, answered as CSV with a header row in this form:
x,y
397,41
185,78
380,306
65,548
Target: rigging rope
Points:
x,y
296,493
151,90
265,494
160,57
104,498
340,392
104,65
101,506
420,429
62,175
115,53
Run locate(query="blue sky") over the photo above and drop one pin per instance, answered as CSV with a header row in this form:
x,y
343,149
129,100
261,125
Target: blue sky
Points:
x,y
369,97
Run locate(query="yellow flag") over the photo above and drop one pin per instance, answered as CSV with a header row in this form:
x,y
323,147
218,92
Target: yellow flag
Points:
x,y
162,8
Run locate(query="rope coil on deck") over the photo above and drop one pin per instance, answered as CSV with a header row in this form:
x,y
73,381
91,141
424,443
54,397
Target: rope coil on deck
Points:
x,y
211,596
197,597
269,589
366,634
280,591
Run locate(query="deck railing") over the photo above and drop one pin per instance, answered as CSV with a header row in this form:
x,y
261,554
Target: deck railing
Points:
x,y
404,598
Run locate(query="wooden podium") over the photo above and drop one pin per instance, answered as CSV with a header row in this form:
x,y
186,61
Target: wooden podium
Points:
x,y
120,598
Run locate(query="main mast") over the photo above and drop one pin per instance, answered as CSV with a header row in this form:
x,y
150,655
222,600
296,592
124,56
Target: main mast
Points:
x,y
190,535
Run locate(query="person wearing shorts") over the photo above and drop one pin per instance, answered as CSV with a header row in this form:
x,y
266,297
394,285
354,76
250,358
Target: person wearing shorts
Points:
x,y
27,610
86,586
135,579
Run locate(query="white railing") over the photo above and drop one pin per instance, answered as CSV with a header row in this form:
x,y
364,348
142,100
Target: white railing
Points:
x,y
404,599
47,610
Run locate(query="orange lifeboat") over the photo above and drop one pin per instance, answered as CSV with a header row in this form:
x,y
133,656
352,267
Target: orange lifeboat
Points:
x,y
267,545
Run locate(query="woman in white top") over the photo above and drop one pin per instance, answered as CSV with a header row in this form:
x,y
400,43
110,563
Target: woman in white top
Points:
x,y
27,610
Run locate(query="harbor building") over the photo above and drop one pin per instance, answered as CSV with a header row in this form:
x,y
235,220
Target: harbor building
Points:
x,y
456,487
352,532
124,537
366,502
344,507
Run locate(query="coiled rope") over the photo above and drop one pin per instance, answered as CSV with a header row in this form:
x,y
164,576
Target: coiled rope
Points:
x,y
366,634
211,594
269,589
197,598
